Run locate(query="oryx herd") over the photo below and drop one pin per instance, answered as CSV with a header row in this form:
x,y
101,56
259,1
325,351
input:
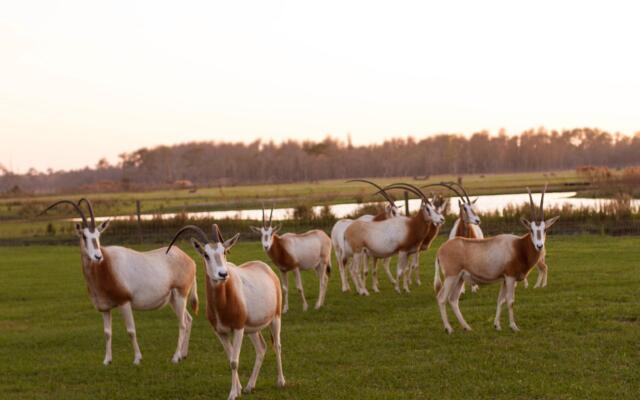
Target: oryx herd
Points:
x,y
249,297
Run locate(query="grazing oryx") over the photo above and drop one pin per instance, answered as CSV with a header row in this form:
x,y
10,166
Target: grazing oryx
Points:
x,y
240,299
343,257
132,280
503,258
293,252
402,235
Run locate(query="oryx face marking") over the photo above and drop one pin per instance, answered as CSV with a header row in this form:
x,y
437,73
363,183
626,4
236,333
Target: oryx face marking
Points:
x,y
266,237
538,234
89,243
215,261
391,211
470,215
433,214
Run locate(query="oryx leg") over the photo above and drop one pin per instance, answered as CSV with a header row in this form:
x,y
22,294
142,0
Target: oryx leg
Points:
x,y
355,266
511,298
362,273
543,268
343,273
234,360
454,297
387,269
416,268
374,275
296,272
402,267
179,305
323,276
106,319
261,348
127,314
502,298
406,279
442,297
275,335
284,279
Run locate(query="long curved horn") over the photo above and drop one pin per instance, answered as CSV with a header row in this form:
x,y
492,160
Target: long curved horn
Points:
x,y
463,190
424,196
542,201
411,189
448,186
216,233
533,208
264,221
194,228
381,191
78,209
271,215
91,214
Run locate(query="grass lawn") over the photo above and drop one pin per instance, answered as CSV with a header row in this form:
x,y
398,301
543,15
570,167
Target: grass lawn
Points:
x,y
580,337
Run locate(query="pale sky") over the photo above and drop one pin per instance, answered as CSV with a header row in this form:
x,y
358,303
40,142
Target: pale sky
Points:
x,y
82,80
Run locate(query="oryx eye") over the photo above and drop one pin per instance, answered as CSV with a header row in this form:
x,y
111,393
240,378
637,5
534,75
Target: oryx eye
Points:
x,y
206,256
84,237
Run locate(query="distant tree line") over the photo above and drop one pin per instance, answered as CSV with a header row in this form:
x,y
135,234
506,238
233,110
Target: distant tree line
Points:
x,y
216,163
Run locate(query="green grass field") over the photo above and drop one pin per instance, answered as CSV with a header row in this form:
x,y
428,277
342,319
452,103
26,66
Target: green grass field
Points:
x,y
580,337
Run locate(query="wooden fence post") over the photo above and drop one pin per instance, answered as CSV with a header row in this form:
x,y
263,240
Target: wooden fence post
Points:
x,y
139,221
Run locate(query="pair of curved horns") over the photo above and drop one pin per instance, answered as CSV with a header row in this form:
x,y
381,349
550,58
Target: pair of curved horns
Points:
x,y
533,207
411,188
217,235
76,206
380,191
449,185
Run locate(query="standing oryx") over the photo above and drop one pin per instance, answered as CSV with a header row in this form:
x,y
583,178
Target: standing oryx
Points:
x,y
414,260
503,258
468,223
296,251
402,235
131,280
240,299
343,256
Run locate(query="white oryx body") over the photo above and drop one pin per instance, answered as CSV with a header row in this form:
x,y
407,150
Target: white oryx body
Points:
x,y
132,280
344,254
240,299
402,235
503,258
294,252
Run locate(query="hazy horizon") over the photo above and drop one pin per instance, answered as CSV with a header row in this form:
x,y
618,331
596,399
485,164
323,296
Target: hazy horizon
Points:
x,y
86,80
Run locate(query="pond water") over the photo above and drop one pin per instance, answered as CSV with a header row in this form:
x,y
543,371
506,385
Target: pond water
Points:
x,y
484,204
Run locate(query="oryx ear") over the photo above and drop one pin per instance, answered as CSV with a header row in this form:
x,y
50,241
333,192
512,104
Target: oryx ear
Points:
x,y
197,245
474,200
229,243
79,231
103,226
459,203
525,222
255,229
548,223
277,228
